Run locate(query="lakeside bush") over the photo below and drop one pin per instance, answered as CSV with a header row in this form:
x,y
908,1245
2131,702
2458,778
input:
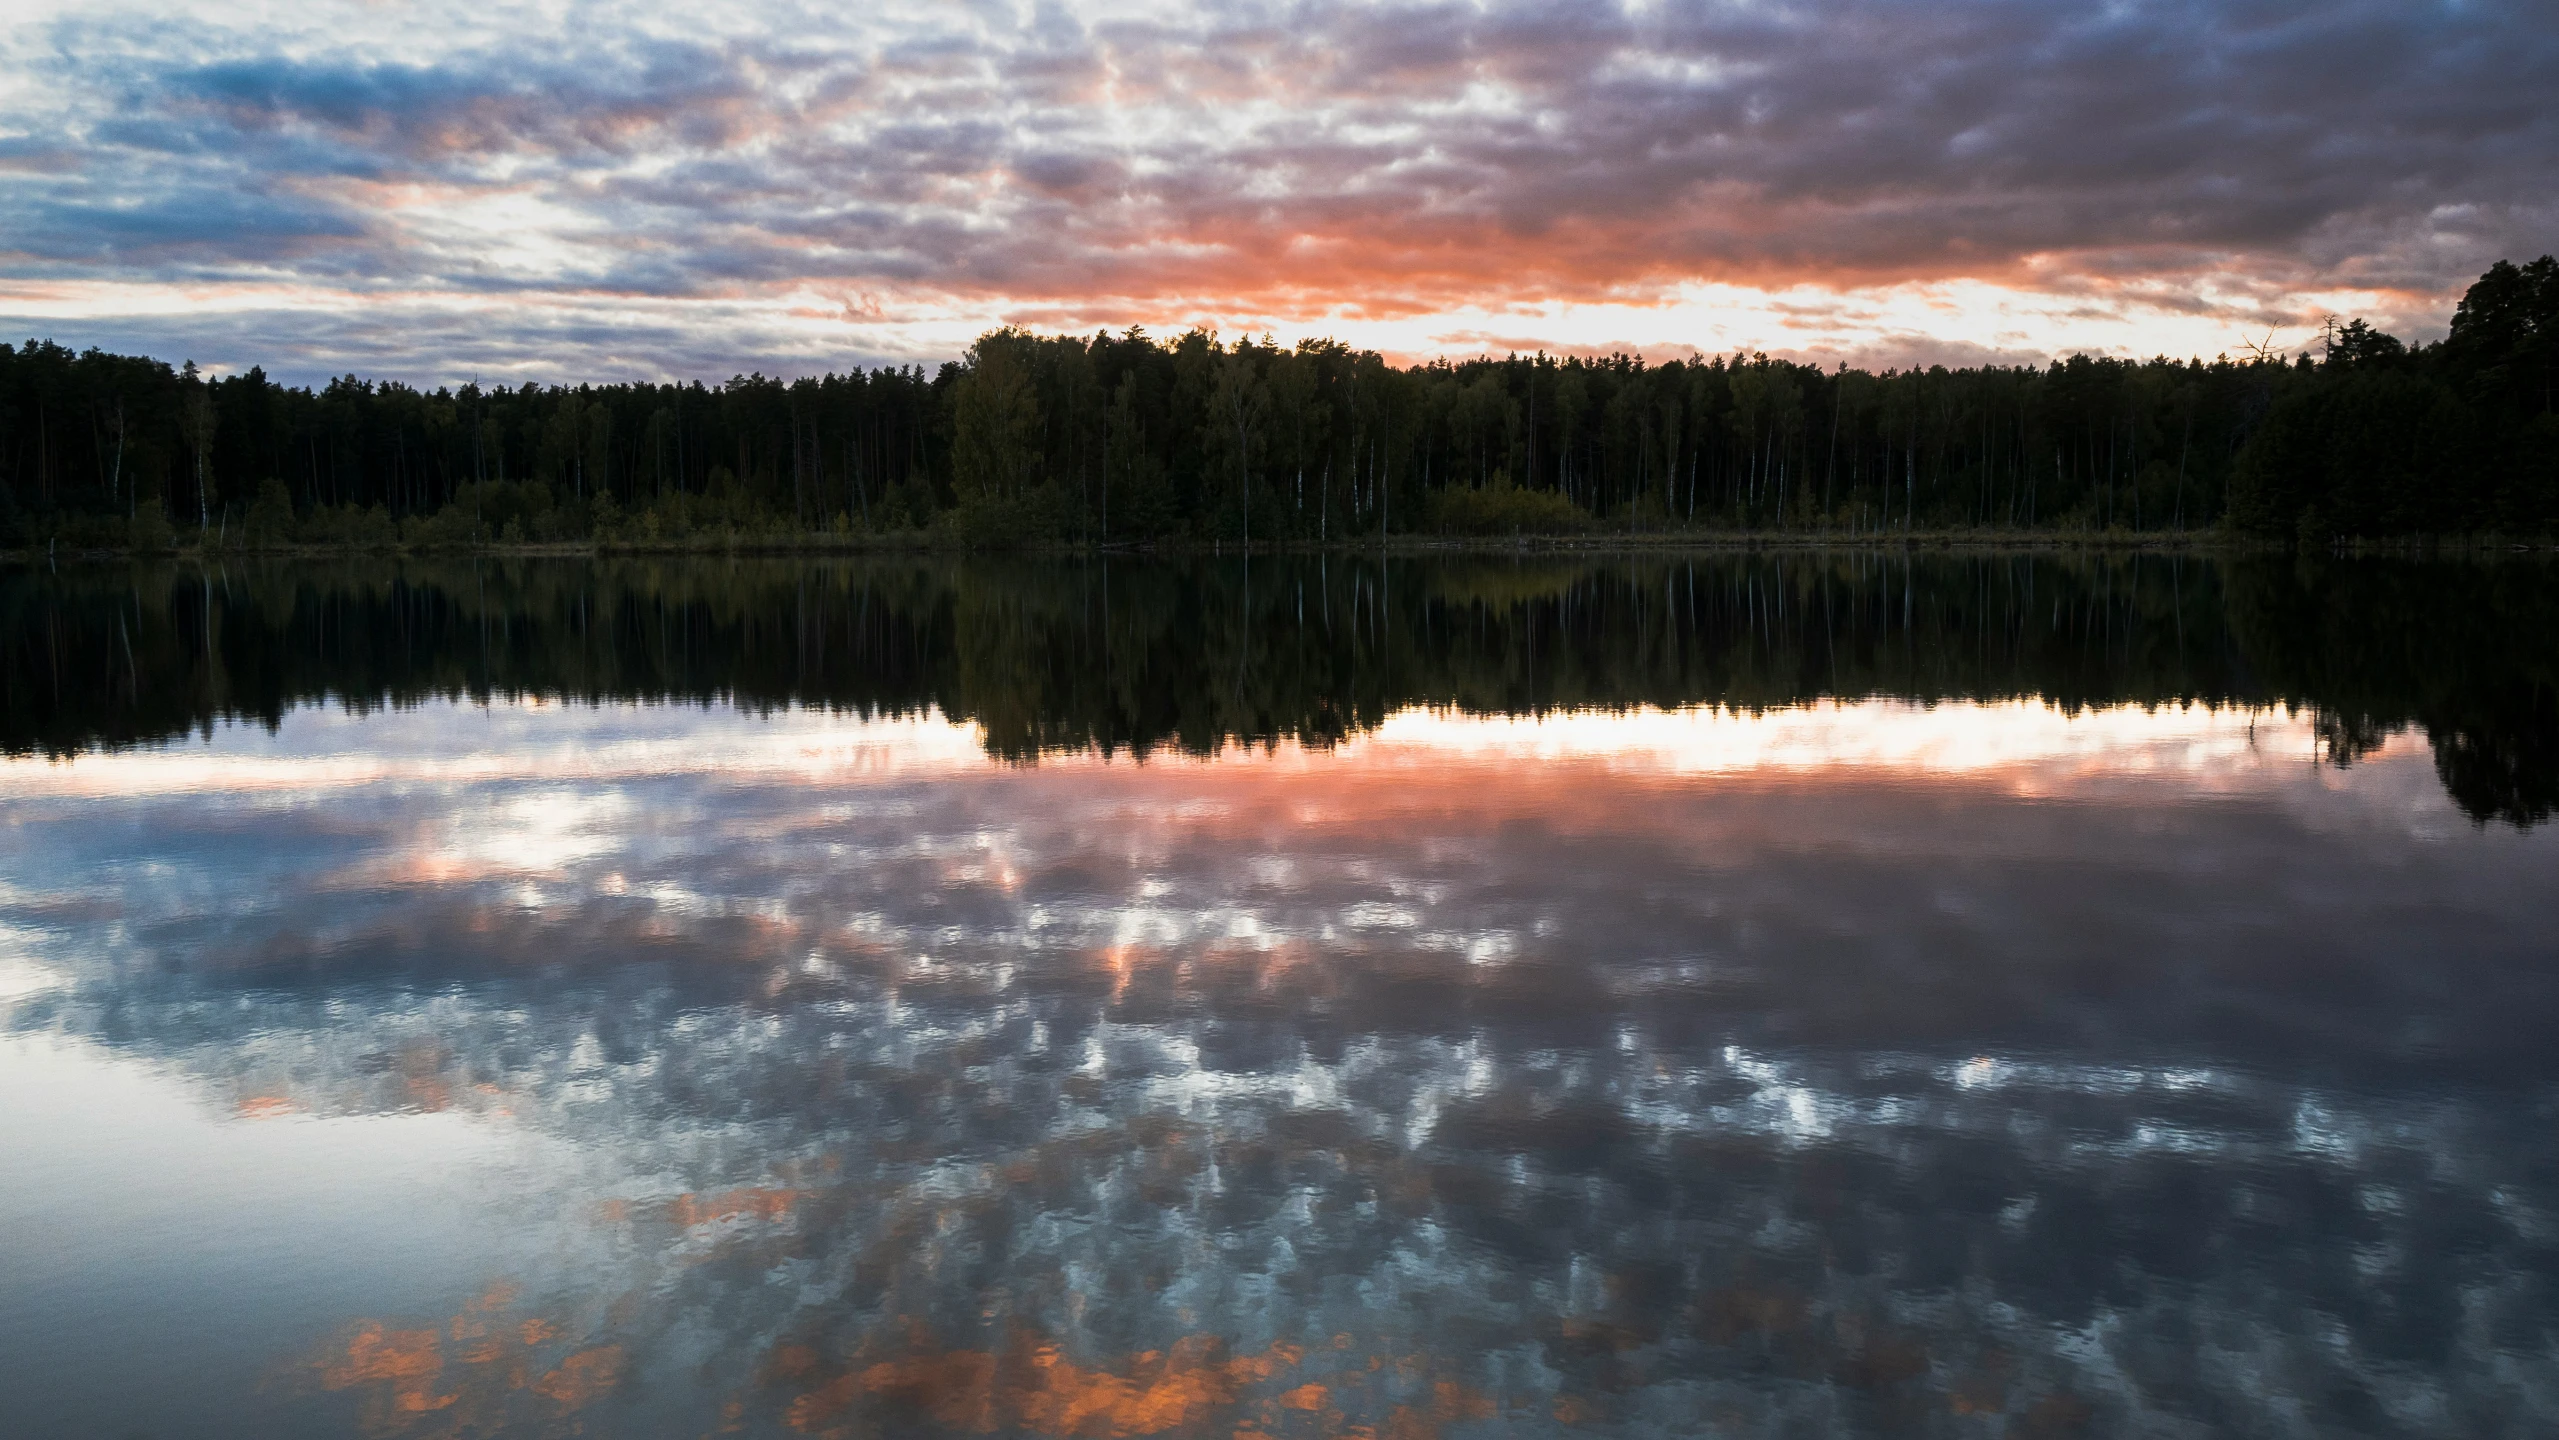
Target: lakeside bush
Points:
x,y
1502,508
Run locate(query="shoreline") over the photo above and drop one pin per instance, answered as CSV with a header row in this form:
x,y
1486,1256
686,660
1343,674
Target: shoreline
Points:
x,y
816,545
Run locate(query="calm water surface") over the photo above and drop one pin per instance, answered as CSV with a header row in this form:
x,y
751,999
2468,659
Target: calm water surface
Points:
x,y
1988,996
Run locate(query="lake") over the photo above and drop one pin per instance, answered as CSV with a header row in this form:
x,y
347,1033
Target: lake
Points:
x,y
1784,994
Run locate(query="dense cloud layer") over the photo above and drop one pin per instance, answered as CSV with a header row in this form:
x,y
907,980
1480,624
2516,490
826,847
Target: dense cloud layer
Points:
x,y
835,184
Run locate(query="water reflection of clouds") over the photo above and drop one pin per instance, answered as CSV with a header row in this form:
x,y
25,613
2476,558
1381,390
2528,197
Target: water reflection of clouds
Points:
x,y
458,743
453,743
1942,739
1628,1082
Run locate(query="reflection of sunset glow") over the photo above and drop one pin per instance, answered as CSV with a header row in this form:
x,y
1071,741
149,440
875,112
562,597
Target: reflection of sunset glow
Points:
x,y
1190,1388
689,1211
1947,739
1120,960
319,751
406,1361
539,832
467,1375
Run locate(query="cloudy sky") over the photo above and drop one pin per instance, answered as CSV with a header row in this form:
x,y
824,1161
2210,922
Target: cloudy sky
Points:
x,y
625,188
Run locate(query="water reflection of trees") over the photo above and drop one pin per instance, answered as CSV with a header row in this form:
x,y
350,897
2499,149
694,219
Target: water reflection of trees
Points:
x,y
1135,655
2467,652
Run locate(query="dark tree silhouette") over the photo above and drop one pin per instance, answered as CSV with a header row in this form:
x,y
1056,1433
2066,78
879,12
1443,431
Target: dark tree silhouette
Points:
x,y
1115,439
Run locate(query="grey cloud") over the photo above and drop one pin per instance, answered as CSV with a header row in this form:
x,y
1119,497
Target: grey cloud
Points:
x,y
182,223
427,345
609,103
24,156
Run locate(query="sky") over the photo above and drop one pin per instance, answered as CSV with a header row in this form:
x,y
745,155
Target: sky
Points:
x,y
639,188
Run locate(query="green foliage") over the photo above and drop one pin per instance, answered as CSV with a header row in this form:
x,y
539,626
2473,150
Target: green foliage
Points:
x,y
1502,508
451,528
350,527
995,420
149,532
270,517
1041,515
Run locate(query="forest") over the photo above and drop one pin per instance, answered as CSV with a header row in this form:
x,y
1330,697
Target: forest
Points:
x,y
1127,440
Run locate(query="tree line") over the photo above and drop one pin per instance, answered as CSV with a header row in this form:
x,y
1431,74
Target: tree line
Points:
x,y
1126,439
1122,655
